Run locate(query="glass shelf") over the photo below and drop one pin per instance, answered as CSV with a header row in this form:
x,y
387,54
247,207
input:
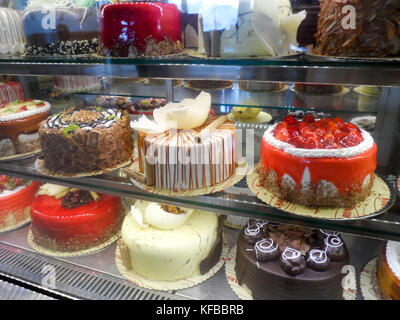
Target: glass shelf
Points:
x,y
237,200
300,68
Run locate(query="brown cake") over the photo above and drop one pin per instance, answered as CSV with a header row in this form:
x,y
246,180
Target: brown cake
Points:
x,y
86,140
209,84
289,262
376,34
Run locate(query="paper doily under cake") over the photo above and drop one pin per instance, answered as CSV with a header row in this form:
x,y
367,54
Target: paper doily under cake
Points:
x,y
244,293
369,284
142,282
380,200
240,173
39,165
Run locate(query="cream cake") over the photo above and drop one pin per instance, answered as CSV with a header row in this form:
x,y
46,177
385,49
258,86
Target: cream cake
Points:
x,y
166,243
12,39
184,148
68,84
389,270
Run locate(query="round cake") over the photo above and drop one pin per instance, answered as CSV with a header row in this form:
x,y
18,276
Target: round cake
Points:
x,y
287,262
11,91
12,39
68,84
389,270
166,243
261,86
65,219
140,29
19,124
16,196
324,162
147,106
86,140
209,84
196,151
373,31
306,88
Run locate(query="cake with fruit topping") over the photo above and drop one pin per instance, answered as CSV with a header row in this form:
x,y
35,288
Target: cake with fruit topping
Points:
x,y
130,29
65,219
16,196
87,140
184,148
282,262
19,124
167,243
325,162
389,270
11,91
147,106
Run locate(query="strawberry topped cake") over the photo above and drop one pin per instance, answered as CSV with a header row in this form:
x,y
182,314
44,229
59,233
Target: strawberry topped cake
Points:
x,y
318,162
16,196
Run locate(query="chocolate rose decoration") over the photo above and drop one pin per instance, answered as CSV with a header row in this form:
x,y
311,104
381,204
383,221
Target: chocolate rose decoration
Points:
x,y
292,262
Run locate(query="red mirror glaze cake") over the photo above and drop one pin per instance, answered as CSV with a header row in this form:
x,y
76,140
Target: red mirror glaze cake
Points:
x,y
11,91
19,124
16,196
323,162
66,219
277,261
140,29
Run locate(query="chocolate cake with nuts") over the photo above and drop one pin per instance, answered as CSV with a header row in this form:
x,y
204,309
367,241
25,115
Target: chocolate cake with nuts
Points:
x,y
277,261
376,32
87,140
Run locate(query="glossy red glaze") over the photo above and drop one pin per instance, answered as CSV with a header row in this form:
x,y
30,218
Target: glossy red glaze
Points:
x,y
136,22
16,203
343,172
88,222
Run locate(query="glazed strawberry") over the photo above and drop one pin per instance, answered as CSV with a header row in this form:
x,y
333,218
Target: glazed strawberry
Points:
x,y
293,131
339,122
282,135
329,141
297,141
41,104
321,132
350,140
309,118
22,109
352,126
303,126
312,143
332,127
290,120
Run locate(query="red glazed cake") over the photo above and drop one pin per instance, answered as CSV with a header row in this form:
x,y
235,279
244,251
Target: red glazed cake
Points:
x,y
16,196
73,220
19,124
323,162
140,29
11,91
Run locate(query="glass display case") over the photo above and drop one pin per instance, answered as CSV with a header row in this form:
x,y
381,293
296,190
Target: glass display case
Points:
x,y
291,107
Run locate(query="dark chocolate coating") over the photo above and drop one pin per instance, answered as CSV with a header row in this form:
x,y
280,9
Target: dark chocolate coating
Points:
x,y
318,260
266,250
335,251
291,263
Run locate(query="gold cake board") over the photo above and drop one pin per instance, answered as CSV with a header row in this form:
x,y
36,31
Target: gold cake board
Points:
x,y
142,282
239,174
39,165
63,254
379,200
369,285
19,156
262,117
244,293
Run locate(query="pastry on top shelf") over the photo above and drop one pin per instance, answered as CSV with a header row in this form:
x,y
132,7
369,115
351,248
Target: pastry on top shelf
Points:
x,y
322,163
260,86
130,29
16,196
75,31
181,158
19,124
371,29
209,84
69,84
389,270
314,88
87,140
66,219
277,261
11,91
12,39
168,243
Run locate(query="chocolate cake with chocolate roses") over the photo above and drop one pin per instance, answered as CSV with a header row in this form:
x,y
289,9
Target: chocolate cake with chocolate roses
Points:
x,y
87,140
288,262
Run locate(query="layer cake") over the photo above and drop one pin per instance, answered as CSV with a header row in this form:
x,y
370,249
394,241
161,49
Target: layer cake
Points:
x,y
166,243
12,39
140,29
389,270
86,140
65,219
323,162
283,262
19,124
